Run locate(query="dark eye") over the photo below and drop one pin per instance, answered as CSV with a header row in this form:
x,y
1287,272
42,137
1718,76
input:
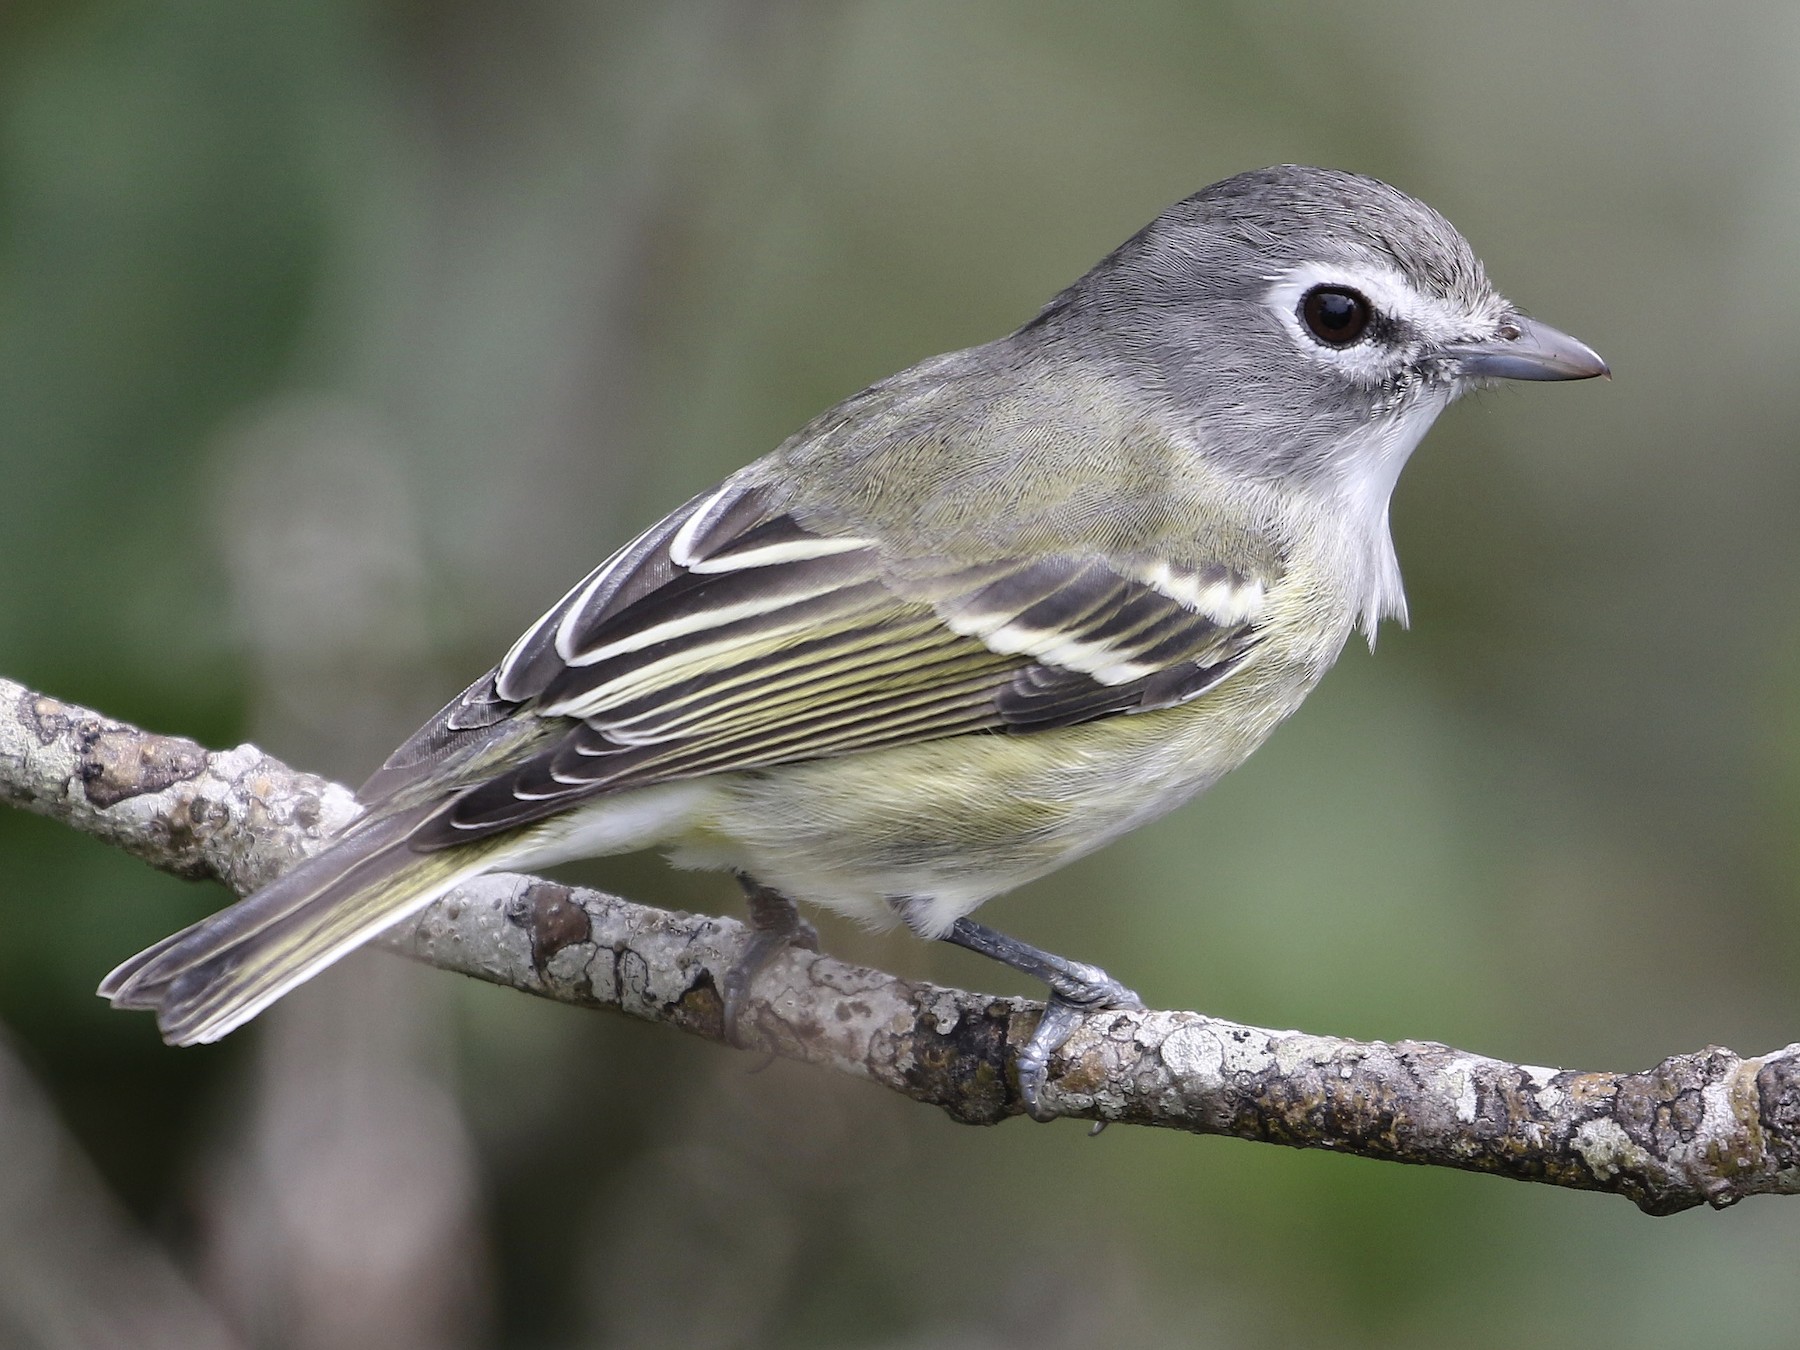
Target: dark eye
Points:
x,y
1336,315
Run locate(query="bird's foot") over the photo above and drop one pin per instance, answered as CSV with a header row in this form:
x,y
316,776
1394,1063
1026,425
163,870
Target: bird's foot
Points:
x,y
775,924
1081,990
1076,989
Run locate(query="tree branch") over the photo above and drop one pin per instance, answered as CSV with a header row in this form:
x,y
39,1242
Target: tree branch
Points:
x,y
1708,1127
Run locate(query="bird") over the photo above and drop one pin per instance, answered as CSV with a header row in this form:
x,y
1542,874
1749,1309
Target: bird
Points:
x,y
972,623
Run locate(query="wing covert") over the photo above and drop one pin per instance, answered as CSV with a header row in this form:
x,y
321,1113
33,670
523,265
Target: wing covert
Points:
x,y
733,636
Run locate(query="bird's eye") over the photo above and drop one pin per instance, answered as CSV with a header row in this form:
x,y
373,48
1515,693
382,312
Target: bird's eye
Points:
x,y
1335,315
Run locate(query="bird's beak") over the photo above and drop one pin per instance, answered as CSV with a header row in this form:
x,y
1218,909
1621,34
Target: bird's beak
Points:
x,y
1527,350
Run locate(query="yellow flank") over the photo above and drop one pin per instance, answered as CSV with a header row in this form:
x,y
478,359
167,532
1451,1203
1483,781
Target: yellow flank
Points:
x,y
952,822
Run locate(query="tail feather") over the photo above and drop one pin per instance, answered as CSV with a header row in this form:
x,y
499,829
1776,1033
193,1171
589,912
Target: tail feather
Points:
x,y
127,992
218,974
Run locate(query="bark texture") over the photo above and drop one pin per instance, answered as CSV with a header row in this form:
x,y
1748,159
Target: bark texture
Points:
x,y
1710,1127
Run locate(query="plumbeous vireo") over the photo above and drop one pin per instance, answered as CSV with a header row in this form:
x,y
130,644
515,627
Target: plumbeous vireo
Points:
x,y
969,624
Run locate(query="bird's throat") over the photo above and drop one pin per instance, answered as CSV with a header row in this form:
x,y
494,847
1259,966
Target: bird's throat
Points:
x,y
1365,470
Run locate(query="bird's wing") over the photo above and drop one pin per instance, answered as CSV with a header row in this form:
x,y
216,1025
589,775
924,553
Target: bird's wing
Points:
x,y
733,636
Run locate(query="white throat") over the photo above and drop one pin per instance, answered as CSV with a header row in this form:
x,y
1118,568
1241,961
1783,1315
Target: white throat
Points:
x,y
1365,472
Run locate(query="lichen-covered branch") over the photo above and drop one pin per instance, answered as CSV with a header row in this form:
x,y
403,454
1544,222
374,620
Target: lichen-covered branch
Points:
x,y
1707,1128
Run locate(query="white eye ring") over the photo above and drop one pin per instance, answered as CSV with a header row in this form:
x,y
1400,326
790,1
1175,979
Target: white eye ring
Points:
x,y
1372,359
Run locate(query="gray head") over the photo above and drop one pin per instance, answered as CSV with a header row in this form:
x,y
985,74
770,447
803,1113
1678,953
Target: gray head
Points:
x,y
1309,322
1306,326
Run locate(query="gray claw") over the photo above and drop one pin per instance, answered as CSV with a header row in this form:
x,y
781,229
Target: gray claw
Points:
x,y
1062,1014
1076,989
1053,1030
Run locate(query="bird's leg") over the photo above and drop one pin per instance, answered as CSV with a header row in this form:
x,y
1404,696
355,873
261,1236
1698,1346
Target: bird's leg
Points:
x,y
775,923
1076,989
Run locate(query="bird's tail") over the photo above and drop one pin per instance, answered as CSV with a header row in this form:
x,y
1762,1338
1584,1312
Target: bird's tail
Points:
x,y
210,978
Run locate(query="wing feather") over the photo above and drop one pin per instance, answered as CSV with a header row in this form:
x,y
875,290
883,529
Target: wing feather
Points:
x,y
734,636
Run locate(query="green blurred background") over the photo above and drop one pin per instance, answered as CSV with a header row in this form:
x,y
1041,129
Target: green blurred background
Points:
x,y
337,339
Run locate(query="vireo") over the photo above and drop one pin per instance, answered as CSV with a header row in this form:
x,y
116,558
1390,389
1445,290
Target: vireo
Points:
x,y
969,624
